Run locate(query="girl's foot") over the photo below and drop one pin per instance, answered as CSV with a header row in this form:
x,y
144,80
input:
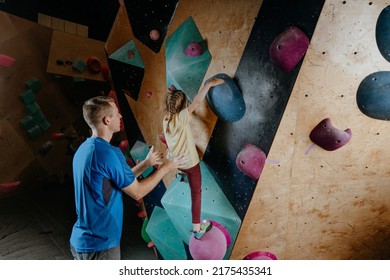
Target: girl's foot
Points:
x,y
205,227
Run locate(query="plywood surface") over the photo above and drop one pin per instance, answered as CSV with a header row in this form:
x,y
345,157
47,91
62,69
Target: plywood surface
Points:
x,y
314,204
29,43
225,26
69,47
15,155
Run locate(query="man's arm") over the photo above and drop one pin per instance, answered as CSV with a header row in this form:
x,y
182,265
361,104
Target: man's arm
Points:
x,y
202,93
138,189
153,158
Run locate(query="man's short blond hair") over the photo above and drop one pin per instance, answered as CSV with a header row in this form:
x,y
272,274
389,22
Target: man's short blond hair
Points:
x,y
96,108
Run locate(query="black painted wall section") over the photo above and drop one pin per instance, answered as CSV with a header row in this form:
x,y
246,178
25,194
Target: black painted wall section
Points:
x,y
147,15
266,91
133,133
126,78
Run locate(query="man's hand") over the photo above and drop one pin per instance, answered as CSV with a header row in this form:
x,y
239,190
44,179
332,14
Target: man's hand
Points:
x,y
154,157
138,189
176,162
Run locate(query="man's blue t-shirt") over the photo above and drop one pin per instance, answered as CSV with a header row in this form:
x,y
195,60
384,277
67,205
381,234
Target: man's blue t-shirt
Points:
x,y
100,172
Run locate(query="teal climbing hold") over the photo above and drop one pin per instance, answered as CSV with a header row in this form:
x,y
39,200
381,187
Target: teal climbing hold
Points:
x,y
28,97
80,65
27,122
165,236
185,72
33,108
38,117
129,54
127,69
34,132
44,125
138,153
34,84
215,206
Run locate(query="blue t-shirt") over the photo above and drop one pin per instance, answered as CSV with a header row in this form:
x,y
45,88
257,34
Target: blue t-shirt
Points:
x,y
100,172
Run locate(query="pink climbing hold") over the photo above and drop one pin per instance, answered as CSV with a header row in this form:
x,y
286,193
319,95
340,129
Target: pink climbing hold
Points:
x,y
224,230
162,138
105,72
250,161
130,162
212,246
194,49
141,214
9,186
6,60
123,145
57,135
287,49
154,35
171,88
260,255
130,54
328,137
94,65
148,94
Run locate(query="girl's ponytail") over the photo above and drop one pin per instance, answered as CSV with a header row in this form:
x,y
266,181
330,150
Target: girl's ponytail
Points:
x,y
175,102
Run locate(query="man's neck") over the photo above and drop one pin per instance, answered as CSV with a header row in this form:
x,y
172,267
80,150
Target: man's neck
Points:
x,y
102,134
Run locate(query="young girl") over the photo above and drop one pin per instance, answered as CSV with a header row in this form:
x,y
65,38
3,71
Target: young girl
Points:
x,y
180,141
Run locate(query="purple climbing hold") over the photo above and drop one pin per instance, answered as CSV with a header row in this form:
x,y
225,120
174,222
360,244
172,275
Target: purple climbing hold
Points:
x,y
260,255
194,49
328,137
251,160
287,49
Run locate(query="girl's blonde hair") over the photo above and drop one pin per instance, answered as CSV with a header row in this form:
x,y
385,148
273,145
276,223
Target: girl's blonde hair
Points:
x,y
175,102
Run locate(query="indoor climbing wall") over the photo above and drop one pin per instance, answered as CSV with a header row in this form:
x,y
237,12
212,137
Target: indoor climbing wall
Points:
x,y
225,39
32,107
265,87
310,202
327,198
316,129
225,43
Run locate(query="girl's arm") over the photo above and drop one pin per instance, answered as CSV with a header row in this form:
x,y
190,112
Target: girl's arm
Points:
x,y
202,93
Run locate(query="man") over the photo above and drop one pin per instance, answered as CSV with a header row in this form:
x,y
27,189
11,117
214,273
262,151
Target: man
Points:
x,y
100,175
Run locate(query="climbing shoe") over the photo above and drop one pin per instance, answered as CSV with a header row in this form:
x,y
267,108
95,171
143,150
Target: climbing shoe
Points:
x,y
204,227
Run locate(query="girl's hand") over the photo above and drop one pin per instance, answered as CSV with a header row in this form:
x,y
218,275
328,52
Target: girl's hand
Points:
x,y
215,81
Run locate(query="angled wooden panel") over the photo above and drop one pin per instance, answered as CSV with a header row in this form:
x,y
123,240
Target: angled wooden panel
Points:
x,y
315,204
67,47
